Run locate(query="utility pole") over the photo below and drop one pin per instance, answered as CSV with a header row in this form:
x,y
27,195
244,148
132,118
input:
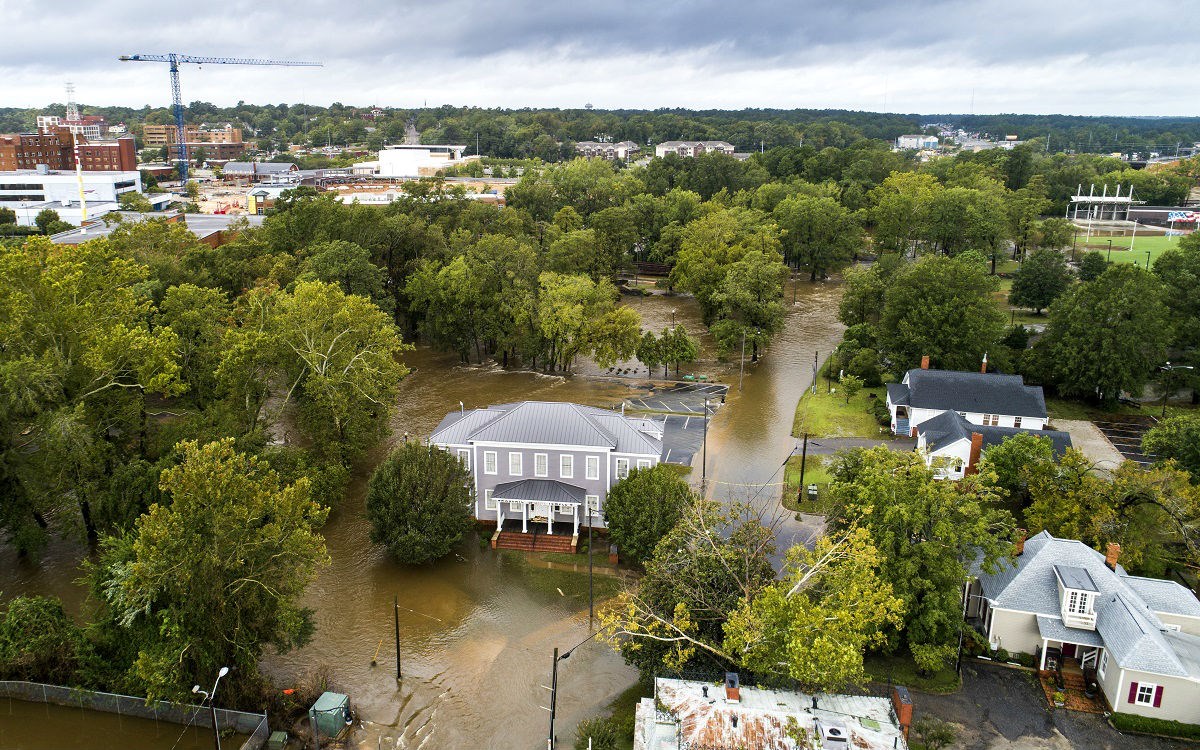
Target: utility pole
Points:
x,y
704,453
396,613
803,461
591,590
816,356
742,368
553,699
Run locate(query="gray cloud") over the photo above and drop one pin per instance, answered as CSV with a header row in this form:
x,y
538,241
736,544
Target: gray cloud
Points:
x,y
1020,55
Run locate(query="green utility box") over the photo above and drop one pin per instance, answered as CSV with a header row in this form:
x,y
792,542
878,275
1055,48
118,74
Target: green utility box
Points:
x,y
278,741
328,714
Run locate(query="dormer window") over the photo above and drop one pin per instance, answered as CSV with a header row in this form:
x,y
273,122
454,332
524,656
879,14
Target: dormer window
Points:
x,y
1079,602
1077,592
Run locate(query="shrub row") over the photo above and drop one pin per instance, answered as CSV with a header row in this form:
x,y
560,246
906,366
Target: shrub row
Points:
x,y
1149,725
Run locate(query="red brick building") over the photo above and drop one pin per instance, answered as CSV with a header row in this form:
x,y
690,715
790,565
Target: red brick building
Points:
x,y
27,150
117,155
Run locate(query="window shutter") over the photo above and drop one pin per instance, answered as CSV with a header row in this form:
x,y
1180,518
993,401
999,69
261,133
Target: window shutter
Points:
x,y
1158,696
1132,692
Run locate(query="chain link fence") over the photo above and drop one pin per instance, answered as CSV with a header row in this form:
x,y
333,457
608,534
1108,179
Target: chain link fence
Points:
x,y
254,725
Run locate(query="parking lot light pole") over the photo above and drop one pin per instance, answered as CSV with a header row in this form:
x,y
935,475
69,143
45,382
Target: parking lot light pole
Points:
x,y
211,697
554,685
1169,368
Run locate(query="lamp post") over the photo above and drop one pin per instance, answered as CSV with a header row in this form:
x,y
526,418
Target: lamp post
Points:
x,y
1170,368
211,697
554,684
1147,260
672,317
1110,251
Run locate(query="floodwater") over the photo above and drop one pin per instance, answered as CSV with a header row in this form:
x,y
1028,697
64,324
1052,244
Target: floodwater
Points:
x,y
39,726
477,629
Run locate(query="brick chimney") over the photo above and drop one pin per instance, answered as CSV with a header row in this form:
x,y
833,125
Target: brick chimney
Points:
x,y
902,703
733,693
976,449
1019,544
1114,553
925,362
983,367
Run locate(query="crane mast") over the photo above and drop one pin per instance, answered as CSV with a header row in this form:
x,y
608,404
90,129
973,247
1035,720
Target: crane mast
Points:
x,y
174,60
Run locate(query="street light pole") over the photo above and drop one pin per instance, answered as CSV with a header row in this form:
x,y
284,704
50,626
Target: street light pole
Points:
x,y
211,697
591,590
1169,369
554,685
704,450
396,615
1110,251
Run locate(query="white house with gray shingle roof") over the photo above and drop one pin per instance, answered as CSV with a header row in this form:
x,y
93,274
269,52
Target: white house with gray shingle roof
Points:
x,y
546,462
982,398
1141,635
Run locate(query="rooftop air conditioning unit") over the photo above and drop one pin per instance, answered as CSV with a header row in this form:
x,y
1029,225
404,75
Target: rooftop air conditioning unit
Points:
x,y
833,734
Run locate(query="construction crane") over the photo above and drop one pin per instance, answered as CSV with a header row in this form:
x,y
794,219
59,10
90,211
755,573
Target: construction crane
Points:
x,y
175,60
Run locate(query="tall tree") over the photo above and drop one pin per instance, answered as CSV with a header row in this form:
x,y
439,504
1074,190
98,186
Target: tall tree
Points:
x,y
815,624
419,503
642,508
926,532
213,577
941,307
1042,277
818,234
1107,336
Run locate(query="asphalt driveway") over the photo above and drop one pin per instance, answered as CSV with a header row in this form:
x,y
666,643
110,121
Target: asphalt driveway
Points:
x,y
1004,708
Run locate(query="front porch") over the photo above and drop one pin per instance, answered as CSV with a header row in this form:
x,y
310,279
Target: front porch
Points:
x,y
535,508
1067,659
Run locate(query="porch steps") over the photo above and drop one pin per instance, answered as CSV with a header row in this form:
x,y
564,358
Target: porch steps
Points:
x,y
531,542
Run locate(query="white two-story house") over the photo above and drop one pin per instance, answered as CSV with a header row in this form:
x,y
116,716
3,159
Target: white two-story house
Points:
x,y
1062,599
539,462
982,398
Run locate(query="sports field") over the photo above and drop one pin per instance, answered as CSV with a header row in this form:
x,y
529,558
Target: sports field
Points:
x,y
1143,243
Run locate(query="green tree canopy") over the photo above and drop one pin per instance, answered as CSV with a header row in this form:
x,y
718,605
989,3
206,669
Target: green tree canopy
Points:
x,y
941,307
215,575
1176,438
642,508
1107,336
925,531
1042,277
419,503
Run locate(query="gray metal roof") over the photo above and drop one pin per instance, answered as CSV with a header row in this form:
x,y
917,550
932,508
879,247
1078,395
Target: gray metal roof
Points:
x,y
948,428
1054,629
1126,623
548,423
257,167
1075,578
989,393
540,491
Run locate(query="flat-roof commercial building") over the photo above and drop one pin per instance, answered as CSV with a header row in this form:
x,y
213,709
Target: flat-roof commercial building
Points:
x,y
25,190
114,155
164,135
413,160
201,151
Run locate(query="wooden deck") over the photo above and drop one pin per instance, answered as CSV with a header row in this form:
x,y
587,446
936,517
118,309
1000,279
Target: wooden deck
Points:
x,y
536,539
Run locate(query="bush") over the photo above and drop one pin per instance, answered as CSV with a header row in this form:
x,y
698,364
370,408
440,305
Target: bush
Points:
x,y
419,503
606,733
880,411
933,733
40,642
1091,266
1135,723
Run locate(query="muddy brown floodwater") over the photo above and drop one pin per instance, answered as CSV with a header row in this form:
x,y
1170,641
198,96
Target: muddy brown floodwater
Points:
x,y
477,629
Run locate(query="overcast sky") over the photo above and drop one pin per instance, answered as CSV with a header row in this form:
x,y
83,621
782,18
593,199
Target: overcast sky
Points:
x,y
1041,56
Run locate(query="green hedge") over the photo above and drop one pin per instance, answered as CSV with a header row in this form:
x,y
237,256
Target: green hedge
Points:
x,y
1135,723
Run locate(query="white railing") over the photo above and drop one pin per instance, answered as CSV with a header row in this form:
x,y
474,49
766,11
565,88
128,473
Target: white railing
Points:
x,y
1084,621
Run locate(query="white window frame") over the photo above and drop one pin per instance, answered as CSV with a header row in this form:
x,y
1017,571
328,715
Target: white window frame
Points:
x,y
643,463
1151,688
488,502
566,466
490,460
1016,421
592,505
1103,665
622,462
464,455
515,462
541,465
516,506
592,467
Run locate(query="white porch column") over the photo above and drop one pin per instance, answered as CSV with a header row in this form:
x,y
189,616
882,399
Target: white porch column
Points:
x,y
576,531
525,518
499,515
549,518
1045,642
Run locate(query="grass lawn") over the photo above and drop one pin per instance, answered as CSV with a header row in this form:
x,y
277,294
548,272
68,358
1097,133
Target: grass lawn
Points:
x,y
623,708
900,669
1059,408
599,559
556,582
815,472
823,414
1154,243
